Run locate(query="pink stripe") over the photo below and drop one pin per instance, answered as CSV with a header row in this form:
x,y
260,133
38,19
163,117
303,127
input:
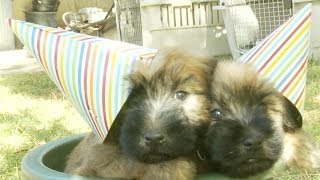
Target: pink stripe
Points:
x,y
86,76
59,32
86,89
56,62
283,43
295,75
86,38
104,89
10,22
38,47
268,41
299,96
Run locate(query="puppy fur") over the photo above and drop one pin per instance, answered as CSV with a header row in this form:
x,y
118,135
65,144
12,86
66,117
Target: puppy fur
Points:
x,y
157,132
253,126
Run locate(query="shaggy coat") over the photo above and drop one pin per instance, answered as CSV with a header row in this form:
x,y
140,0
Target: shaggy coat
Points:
x,y
253,126
158,130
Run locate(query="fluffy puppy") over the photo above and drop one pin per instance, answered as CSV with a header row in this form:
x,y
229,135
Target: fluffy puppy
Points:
x,y
157,132
252,125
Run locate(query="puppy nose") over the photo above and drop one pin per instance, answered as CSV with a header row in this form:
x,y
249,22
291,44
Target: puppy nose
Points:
x,y
251,142
153,136
247,142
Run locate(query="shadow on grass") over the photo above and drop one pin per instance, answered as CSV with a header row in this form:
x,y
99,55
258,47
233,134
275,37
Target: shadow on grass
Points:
x,y
37,85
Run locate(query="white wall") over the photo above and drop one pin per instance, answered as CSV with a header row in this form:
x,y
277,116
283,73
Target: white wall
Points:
x,y
315,25
6,35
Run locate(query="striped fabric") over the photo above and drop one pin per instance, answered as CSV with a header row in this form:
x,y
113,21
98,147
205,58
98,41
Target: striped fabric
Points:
x,y
88,70
282,57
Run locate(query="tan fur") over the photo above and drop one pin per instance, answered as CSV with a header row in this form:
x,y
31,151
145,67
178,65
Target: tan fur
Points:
x,y
232,76
299,149
96,159
93,158
179,65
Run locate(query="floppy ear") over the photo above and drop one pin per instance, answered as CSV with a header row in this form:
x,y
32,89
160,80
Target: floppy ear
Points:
x,y
292,119
114,132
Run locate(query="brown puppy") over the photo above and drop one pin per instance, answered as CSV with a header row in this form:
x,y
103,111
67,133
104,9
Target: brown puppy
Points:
x,y
157,132
253,126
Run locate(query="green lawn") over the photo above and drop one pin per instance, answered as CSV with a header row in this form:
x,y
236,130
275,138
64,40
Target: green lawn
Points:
x,y
33,112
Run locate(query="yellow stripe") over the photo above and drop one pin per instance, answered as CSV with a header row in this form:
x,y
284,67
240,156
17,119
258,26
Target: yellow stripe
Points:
x,y
111,83
289,63
27,34
270,41
285,50
297,80
62,70
44,52
300,103
92,70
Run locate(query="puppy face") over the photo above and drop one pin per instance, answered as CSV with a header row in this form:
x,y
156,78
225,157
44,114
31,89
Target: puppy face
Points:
x,y
249,119
168,107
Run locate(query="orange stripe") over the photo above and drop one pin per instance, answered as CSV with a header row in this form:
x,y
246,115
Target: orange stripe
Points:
x,y
44,52
92,70
301,96
62,68
110,88
301,100
91,101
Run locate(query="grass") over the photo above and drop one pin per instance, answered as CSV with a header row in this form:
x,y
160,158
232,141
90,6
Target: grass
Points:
x,y
33,112
36,85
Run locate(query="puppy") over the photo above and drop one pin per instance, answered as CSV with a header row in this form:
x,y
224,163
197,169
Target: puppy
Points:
x,y
157,132
253,126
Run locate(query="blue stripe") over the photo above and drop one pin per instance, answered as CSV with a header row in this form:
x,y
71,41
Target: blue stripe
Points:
x,y
75,63
289,57
298,89
289,73
98,88
68,59
120,56
279,40
31,43
22,32
50,57
81,87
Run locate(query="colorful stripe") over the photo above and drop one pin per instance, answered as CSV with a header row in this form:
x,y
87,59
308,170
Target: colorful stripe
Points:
x,y
282,56
90,74
90,70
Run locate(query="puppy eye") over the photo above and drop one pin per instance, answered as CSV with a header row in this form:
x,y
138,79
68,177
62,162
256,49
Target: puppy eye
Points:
x,y
181,95
216,114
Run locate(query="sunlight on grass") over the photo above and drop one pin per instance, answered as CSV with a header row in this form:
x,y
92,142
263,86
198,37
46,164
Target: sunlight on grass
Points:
x,y
32,112
37,85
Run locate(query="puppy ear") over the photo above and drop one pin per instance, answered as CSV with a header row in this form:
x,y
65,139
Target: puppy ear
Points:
x,y
211,66
292,119
114,132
